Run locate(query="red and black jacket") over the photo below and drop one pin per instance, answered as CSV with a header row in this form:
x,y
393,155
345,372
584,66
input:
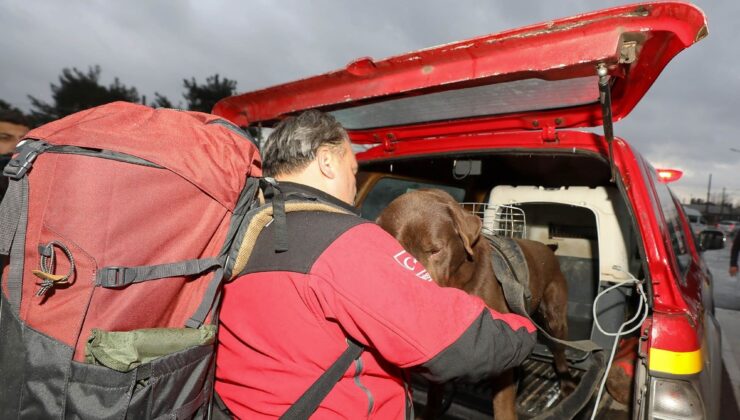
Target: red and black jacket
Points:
x,y
285,320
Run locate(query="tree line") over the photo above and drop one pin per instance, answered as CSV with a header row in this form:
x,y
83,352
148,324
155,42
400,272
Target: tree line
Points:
x,y
77,90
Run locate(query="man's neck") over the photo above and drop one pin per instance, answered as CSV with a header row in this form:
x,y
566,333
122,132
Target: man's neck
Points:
x,y
318,190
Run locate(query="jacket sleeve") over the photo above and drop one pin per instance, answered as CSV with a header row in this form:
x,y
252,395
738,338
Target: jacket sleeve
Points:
x,y
735,250
382,297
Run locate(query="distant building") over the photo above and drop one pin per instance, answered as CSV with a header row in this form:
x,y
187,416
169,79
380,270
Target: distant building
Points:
x,y
715,212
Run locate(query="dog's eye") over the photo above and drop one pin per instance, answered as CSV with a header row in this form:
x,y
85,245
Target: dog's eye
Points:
x,y
433,251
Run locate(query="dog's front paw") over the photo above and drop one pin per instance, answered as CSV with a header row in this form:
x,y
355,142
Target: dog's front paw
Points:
x,y
567,386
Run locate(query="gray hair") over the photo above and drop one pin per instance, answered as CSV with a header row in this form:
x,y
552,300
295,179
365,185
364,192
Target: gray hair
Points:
x,y
293,144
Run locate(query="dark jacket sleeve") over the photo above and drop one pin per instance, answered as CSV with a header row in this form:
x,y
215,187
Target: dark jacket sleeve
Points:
x,y
735,250
383,298
488,347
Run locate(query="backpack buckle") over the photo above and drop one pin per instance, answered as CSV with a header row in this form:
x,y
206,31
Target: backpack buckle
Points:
x,y
27,151
113,277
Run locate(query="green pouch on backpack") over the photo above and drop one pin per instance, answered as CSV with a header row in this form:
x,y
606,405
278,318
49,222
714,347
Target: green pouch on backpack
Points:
x,y
125,350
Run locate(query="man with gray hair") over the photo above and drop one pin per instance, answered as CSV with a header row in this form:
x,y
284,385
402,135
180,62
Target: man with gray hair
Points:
x,y
290,315
312,149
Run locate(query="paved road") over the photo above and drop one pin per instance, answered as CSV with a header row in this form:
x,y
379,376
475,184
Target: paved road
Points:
x,y
727,311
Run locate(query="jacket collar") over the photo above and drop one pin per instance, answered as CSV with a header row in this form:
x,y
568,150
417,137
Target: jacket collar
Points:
x,y
295,188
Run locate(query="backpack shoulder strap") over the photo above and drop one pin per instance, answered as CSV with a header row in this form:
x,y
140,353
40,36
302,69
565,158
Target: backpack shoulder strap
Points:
x,y
260,217
273,209
310,400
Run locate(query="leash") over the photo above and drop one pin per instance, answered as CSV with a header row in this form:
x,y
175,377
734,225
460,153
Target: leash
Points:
x,y
643,304
516,298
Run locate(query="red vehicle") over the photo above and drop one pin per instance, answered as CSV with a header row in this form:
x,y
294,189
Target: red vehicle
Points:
x,y
494,120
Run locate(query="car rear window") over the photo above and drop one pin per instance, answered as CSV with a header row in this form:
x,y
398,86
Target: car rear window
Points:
x,y
675,229
387,189
494,99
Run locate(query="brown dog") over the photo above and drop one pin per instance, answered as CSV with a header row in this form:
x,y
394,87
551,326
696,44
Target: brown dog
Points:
x,y
446,239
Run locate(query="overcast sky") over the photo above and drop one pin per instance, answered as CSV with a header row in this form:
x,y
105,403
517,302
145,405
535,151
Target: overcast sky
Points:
x,y
687,119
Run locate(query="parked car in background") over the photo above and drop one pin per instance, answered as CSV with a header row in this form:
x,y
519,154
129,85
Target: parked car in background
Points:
x,y
711,238
498,121
728,226
696,219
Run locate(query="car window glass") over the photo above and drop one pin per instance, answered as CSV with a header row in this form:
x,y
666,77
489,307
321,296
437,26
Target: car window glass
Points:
x,y
673,222
495,99
387,189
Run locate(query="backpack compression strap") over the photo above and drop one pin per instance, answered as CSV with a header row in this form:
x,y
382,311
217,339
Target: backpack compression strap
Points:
x,y
115,277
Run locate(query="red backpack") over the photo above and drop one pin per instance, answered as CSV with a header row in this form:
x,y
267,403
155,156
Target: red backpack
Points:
x,y
119,222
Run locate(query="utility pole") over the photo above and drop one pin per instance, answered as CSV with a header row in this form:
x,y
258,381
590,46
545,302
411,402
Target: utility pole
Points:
x,y
722,206
706,203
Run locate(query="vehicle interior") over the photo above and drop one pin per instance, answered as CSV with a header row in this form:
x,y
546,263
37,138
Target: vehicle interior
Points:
x,y
562,198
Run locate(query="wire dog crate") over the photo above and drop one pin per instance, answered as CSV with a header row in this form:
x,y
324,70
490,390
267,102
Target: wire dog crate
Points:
x,y
499,220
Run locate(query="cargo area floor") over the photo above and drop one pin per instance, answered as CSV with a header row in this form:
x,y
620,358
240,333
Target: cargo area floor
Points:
x,y
538,390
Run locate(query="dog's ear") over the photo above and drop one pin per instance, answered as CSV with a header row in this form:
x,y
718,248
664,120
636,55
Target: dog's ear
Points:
x,y
467,225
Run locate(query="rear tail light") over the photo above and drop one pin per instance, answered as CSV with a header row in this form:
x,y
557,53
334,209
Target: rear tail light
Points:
x,y
674,400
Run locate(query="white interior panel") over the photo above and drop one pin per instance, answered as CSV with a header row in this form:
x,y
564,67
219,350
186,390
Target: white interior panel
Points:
x,y
610,243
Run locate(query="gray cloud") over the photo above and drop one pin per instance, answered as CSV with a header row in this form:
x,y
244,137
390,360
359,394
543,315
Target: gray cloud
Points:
x,y
686,120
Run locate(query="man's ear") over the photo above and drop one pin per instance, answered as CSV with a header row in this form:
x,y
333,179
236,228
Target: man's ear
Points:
x,y
467,225
326,159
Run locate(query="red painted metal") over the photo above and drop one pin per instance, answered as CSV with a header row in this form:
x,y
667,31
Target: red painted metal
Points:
x,y
560,49
548,133
568,141
667,327
388,143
